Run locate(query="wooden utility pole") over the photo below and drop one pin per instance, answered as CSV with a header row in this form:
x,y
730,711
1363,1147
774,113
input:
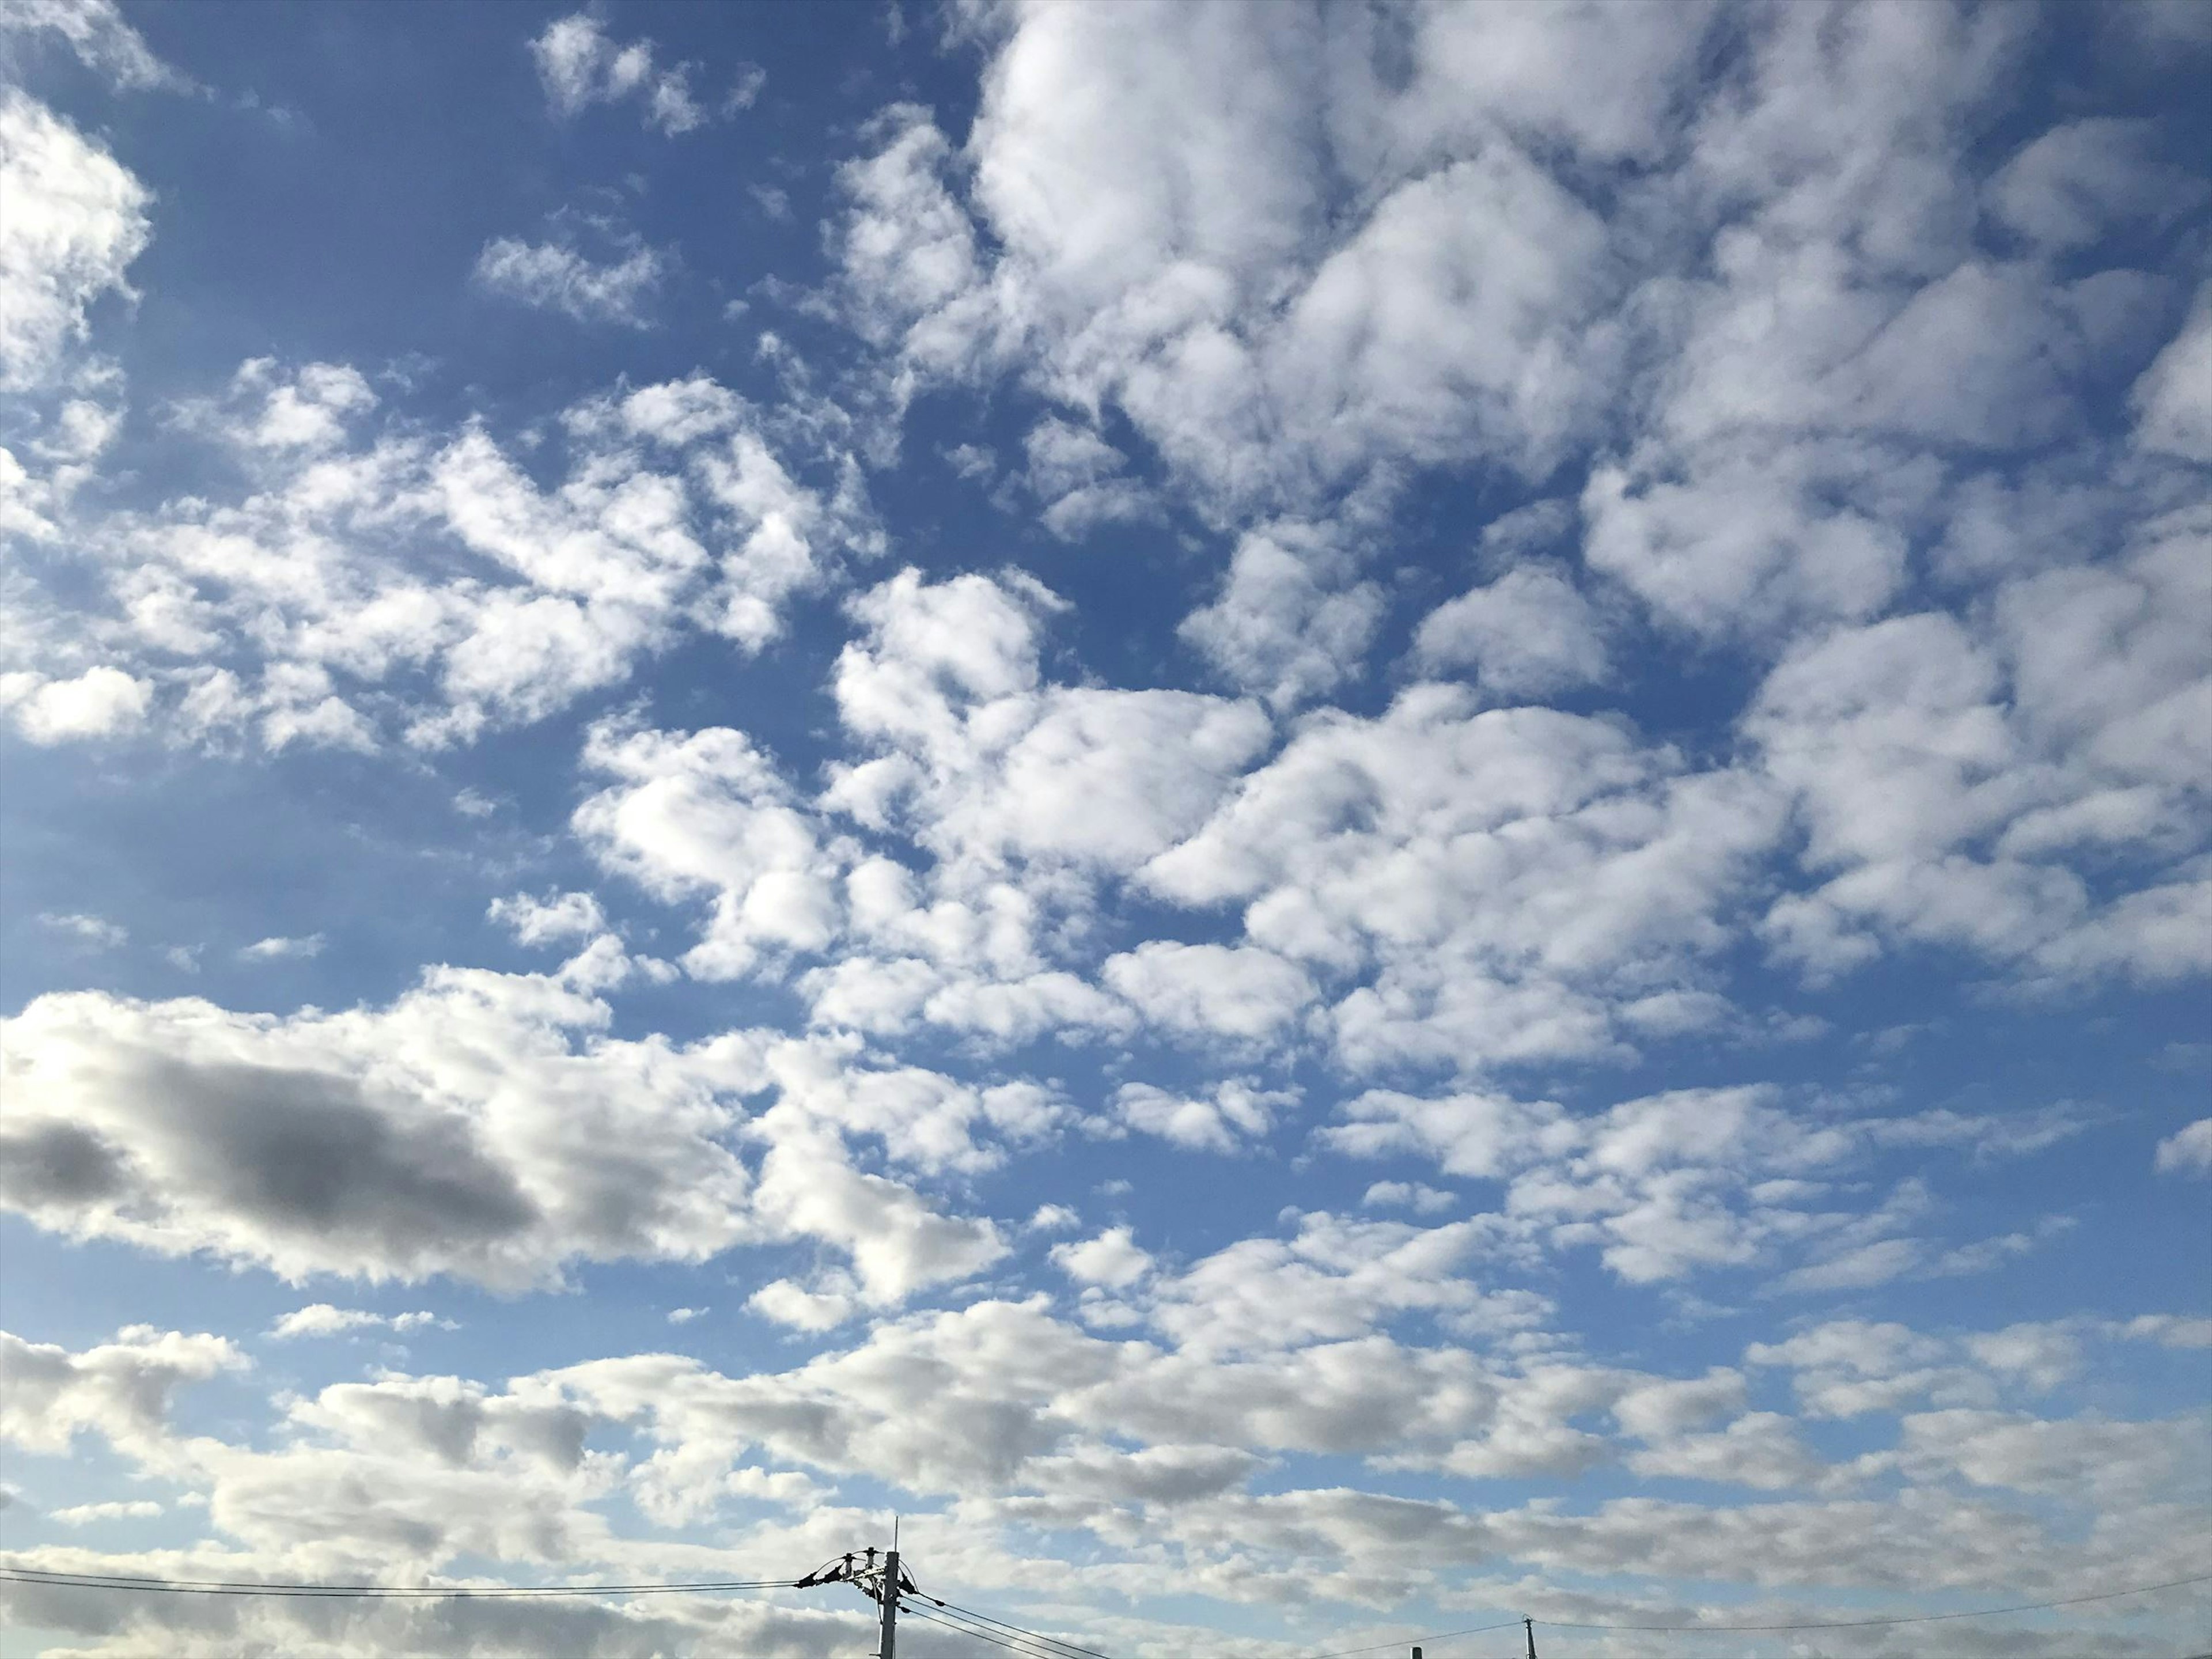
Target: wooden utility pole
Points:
x,y
1529,1625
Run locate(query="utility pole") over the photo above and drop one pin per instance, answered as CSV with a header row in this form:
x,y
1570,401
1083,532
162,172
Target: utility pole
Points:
x,y
1529,1625
890,1605
880,1584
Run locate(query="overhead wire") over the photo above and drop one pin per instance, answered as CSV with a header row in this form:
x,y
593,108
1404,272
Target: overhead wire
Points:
x,y
1430,1636
373,1592
977,1632
973,1621
1906,1619
1070,1647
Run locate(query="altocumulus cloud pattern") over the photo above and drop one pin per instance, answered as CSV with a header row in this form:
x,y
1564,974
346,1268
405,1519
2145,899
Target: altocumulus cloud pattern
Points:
x,y
1326,820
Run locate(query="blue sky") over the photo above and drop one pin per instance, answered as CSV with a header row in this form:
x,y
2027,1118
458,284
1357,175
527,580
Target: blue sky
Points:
x,y
1330,822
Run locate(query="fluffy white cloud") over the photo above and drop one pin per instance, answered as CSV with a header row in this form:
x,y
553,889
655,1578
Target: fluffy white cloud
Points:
x,y
1494,872
278,949
708,815
321,1319
1291,620
580,65
119,1390
483,1125
100,702
1949,780
75,219
2174,412
392,578
1695,1179
268,407
2188,1149
1528,634
93,931
464,1129
1111,1259
1170,249
557,278
2080,181
85,1514
1135,1445
1222,1119
98,34
1233,992
549,920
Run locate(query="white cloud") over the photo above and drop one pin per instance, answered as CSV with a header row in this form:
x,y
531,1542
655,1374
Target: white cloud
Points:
x,y
100,702
1414,1195
578,65
1111,1259
2187,1149
555,277
1072,472
1236,992
1334,1280
2174,412
1222,1119
321,1319
685,1315
2079,182
2169,1330
804,1309
706,815
119,1390
1944,778
1494,872
1696,1179
280,948
476,1126
83,1514
552,920
427,578
270,408
98,34
1291,620
1170,250
1529,634
75,219
94,931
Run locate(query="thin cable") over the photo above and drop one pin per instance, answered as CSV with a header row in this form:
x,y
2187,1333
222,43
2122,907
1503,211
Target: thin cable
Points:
x,y
1011,1635
978,1632
372,1592
1910,1618
1404,1641
1046,1647
1072,1647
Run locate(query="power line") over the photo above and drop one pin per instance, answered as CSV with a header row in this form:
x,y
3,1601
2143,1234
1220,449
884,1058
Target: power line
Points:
x,y
1909,1618
980,1633
1403,1641
969,1620
1070,1647
1009,1635
372,1592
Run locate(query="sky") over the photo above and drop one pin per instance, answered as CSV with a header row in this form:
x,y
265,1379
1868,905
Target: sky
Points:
x,y
1327,821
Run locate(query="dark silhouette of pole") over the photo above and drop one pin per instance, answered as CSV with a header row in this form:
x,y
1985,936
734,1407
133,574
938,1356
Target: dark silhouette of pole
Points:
x,y
890,1605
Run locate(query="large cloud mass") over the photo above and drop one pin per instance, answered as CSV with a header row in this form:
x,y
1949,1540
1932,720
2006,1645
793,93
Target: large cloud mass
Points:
x,y
1342,801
